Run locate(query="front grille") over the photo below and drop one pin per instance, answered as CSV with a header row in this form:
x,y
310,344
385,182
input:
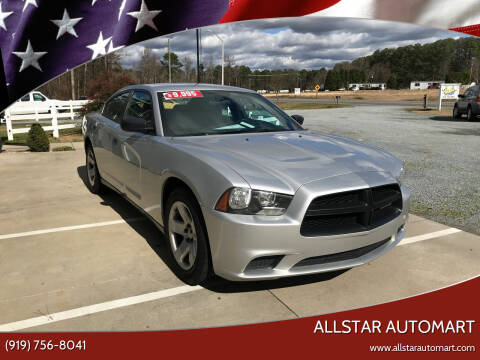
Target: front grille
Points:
x,y
352,211
346,255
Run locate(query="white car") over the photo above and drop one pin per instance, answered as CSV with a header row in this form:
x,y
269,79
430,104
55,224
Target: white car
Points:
x,y
37,103
31,102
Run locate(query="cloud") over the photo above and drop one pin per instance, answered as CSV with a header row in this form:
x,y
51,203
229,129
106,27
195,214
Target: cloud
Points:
x,y
310,42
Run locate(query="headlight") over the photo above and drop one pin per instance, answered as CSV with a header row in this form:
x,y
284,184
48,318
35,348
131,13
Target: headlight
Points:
x,y
253,202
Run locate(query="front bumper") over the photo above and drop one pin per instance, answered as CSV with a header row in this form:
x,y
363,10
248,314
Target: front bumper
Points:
x,y
235,240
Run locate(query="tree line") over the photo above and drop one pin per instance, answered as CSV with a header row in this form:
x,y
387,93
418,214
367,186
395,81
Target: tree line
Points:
x,y
450,60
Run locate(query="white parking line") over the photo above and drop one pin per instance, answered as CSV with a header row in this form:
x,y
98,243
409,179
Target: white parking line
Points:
x,y
68,228
115,304
429,236
96,308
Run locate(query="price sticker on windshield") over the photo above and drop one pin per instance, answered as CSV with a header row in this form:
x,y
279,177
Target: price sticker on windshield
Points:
x,y
172,95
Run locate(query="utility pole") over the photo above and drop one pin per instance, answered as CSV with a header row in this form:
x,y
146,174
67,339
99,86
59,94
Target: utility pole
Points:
x,y
72,83
223,54
169,63
223,61
198,56
84,79
471,70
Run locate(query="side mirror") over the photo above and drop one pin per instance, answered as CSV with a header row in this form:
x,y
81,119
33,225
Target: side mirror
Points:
x,y
461,96
134,124
298,118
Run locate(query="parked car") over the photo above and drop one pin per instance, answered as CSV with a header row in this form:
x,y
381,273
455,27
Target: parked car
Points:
x,y
37,103
241,189
28,103
468,103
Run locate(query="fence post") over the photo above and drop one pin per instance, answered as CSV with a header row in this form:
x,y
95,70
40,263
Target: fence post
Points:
x,y
53,111
71,110
440,98
8,119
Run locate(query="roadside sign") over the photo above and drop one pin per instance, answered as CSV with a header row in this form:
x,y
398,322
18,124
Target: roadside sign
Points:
x,y
448,92
317,87
297,91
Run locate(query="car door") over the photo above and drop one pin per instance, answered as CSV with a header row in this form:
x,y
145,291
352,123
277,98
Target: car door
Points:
x,y
40,103
108,152
136,146
21,106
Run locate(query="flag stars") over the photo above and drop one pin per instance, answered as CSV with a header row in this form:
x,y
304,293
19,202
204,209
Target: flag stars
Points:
x,y
94,1
112,48
29,57
3,16
29,2
66,24
120,10
145,17
99,48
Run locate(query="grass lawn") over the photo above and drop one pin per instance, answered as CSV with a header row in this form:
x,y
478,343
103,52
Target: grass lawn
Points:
x,y
63,148
66,135
308,106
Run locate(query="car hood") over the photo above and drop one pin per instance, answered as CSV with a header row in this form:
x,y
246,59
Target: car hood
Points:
x,y
284,161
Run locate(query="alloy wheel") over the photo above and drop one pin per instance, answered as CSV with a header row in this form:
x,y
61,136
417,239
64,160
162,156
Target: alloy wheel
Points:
x,y
91,168
182,235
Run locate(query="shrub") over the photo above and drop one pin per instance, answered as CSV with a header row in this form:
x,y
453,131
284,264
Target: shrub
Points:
x,y
37,139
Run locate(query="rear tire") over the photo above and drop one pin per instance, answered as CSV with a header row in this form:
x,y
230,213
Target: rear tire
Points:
x,y
470,116
456,113
94,182
187,238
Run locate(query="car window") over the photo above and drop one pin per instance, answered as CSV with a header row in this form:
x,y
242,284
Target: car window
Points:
x,y
38,97
115,107
25,98
140,107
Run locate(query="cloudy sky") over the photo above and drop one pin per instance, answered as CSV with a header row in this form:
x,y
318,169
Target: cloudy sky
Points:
x,y
310,42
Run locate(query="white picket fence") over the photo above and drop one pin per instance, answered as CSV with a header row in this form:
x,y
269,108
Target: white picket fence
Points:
x,y
60,110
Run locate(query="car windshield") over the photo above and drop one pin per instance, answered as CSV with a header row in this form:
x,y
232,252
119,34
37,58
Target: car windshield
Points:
x,y
212,112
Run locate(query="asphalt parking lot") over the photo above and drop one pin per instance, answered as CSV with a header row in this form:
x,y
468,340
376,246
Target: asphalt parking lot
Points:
x,y
72,261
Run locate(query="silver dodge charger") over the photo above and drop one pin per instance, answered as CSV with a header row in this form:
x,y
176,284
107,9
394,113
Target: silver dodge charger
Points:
x,y
239,188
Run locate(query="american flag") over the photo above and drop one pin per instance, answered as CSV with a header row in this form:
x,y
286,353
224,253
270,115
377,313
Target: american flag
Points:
x,y
41,39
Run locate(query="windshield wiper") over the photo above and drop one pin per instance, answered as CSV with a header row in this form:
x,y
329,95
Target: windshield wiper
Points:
x,y
267,130
195,134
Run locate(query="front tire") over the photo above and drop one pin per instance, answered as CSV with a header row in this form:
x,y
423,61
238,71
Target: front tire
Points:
x,y
456,113
187,238
94,182
470,116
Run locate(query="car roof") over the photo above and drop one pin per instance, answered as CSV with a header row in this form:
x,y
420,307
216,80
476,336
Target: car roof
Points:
x,y
162,87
